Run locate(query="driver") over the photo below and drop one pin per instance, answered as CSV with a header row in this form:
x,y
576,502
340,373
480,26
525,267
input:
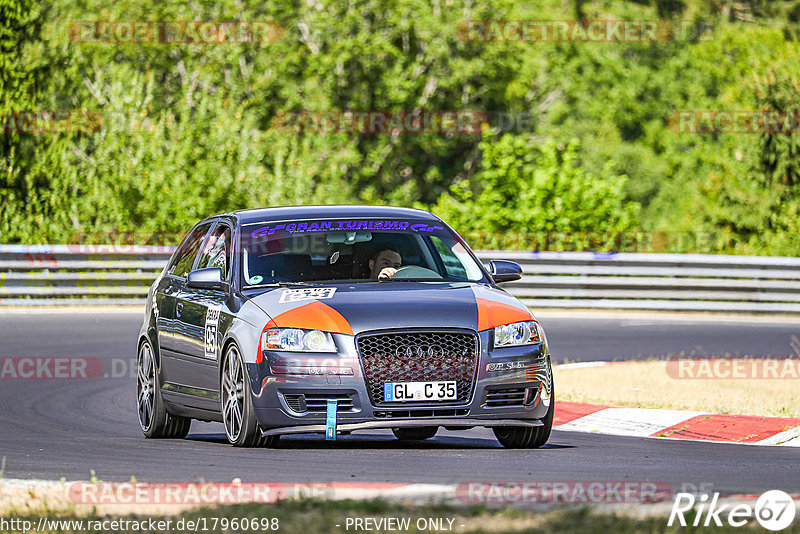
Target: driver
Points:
x,y
384,264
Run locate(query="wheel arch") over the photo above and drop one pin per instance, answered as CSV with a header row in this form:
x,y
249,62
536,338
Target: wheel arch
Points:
x,y
246,334
230,340
154,346
226,344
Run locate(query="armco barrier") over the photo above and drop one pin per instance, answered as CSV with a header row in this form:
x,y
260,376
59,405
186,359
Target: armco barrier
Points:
x,y
667,282
33,275
88,275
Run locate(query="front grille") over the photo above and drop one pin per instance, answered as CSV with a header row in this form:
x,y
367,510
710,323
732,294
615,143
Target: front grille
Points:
x,y
505,397
396,414
418,357
297,403
318,402
513,396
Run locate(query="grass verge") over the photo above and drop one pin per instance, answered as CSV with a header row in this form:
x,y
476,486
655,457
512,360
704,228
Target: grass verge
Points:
x,y
648,384
315,516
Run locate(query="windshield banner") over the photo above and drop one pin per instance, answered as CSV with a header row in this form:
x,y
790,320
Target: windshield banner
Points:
x,y
344,226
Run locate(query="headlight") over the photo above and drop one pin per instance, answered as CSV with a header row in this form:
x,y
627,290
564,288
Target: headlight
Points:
x,y
297,340
516,334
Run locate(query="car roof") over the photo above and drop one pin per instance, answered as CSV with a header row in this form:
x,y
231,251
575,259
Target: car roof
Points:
x,y
284,213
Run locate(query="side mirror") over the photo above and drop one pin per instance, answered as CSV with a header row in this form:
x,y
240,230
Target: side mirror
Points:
x,y
209,278
504,271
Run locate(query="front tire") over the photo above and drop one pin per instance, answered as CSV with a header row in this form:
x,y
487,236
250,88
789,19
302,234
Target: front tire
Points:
x,y
238,415
415,434
523,437
154,419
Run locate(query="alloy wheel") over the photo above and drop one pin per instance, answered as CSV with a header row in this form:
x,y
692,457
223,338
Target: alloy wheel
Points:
x,y
233,395
145,386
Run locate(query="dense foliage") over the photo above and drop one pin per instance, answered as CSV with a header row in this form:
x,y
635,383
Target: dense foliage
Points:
x,y
186,130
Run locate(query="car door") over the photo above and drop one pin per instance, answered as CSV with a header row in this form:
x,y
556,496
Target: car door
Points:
x,y
166,298
199,313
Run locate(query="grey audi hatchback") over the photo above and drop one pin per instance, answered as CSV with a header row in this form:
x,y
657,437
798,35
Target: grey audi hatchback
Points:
x,y
334,319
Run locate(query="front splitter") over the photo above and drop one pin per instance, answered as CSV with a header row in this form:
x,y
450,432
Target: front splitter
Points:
x,y
401,423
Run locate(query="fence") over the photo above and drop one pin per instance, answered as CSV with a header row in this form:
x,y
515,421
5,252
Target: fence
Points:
x,y
32,275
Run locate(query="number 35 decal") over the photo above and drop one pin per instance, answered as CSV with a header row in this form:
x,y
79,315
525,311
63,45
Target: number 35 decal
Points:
x,y
212,323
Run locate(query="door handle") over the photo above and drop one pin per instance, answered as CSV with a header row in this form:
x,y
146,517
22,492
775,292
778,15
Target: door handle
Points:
x,y
179,309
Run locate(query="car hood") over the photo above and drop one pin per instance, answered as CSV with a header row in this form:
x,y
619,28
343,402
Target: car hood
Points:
x,y
362,307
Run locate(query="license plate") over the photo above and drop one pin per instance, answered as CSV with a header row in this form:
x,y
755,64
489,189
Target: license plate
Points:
x,y
416,391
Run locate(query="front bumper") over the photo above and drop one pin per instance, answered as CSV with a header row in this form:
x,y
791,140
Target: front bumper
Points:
x,y
513,391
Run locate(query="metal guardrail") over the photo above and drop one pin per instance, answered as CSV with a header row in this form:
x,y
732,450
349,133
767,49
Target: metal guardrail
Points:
x,y
86,275
666,282
32,275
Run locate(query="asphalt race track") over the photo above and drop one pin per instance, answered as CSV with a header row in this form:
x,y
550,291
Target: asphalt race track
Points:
x,y
54,428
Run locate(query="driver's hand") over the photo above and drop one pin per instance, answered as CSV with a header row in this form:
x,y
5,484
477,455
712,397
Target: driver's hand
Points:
x,y
387,272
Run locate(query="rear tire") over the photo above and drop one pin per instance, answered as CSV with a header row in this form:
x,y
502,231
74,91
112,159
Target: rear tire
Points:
x,y
238,415
524,437
154,419
415,434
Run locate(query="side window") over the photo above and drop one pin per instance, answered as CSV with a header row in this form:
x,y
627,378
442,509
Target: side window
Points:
x,y
217,250
184,259
449,256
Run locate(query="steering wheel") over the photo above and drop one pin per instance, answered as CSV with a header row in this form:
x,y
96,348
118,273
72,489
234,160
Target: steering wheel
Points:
x,y
415,271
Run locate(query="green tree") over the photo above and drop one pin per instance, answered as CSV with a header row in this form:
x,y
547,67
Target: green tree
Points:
x,y
523,186
756,210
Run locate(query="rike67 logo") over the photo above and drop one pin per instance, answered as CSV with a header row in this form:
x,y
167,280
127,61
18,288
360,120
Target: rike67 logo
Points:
x,y
774,510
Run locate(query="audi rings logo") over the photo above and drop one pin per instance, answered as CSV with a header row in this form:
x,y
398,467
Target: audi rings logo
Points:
x,y
420,351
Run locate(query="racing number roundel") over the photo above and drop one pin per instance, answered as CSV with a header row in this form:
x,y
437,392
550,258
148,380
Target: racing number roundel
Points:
x,y
212,323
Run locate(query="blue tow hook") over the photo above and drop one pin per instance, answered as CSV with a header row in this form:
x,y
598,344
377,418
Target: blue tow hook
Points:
x,y
330,430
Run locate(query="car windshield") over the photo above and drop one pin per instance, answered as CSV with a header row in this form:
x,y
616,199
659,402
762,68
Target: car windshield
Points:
x,y
359,250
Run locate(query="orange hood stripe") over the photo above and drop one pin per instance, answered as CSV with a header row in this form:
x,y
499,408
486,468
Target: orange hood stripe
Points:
x,y
492,313
314,316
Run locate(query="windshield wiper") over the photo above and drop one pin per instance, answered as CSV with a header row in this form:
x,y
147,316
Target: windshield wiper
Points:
x,y
283,284
411,280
